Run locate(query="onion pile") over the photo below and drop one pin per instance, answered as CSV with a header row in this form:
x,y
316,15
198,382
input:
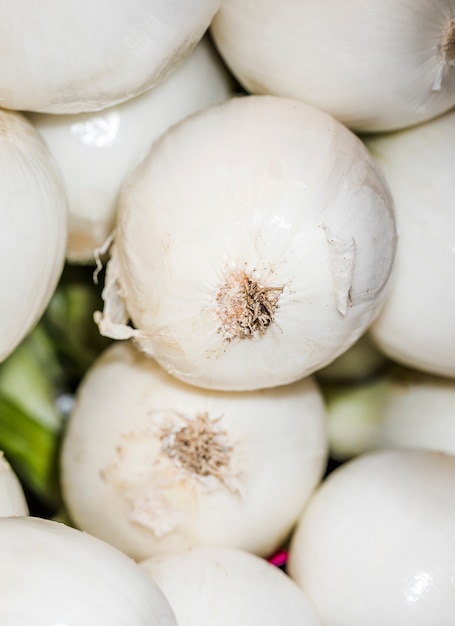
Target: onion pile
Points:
x,y
262,196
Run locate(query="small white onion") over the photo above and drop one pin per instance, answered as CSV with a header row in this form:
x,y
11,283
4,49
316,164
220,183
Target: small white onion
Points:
x,y
153,465
253,245
95,151
373,65
95,53
54,575
12,497
416,327
375,544
33,228
228,587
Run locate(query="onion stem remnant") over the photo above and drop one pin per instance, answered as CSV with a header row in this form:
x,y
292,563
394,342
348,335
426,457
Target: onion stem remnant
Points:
x,y
198,447
245,307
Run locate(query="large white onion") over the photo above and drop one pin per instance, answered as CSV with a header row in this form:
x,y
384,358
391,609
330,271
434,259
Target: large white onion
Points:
x,y
33,228
416,326
95,151
375,544
12,497
66,57
253,245
375,65
54,575
228,587
153,465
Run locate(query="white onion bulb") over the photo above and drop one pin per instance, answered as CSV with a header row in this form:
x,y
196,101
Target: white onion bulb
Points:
x,y
95,151
33,228
375,544
153,465
416,326
401,408
54,575
12,497
228,587
253,245
66,57
373,65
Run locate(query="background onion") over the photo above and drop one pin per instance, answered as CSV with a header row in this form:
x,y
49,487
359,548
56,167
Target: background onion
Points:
x,y
67,58
33,228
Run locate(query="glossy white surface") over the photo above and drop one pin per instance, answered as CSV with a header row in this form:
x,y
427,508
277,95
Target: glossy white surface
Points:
x,y
95,151
376,543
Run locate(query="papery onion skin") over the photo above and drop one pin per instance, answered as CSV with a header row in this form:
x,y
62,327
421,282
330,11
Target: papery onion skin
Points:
x,y
375,544
416,326
153,465
95,151
226,586
256,257
33,232
52,574
374,65
12,497
97,53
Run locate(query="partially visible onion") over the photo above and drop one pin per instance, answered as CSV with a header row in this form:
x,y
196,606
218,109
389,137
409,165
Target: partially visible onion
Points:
x,y
12,497
416,326
374,65
228,587
400,408
67,57
375,544
95,151
54,575
33,228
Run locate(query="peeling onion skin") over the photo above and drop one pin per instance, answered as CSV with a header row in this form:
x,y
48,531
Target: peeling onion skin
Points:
x,y
227,587
52,574
95,151
12,497
97,53
375,65
152,465
416,326
285,260
33,232
375,544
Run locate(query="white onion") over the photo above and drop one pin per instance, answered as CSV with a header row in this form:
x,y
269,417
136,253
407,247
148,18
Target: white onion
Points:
x,y
153,465
228,587
12,497
375,544
373,65
416,326
95,151
401,408
54,575
33,228
253,245
67,58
